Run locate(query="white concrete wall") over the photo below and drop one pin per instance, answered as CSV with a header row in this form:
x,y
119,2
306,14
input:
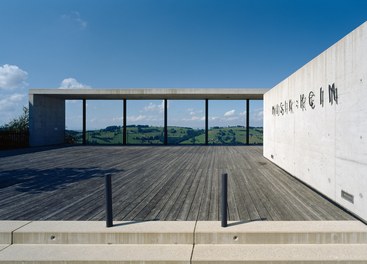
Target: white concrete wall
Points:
x,y
324,146
46,120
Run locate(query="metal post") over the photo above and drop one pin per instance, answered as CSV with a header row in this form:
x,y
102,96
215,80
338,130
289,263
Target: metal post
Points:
x,y
165,123
224,199
247,121
124,131
84,121
108,187
206,121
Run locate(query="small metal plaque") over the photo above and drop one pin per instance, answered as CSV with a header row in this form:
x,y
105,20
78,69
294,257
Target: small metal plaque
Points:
x,y
348,197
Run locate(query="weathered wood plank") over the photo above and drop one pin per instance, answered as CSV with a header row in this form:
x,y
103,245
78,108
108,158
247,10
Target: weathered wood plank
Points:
x,y
153,182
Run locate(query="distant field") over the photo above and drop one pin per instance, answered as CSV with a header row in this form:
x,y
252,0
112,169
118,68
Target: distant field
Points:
x,y
143,134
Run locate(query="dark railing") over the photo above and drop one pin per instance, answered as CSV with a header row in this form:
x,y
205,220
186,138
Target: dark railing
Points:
x,y
108,198
14,139
224,202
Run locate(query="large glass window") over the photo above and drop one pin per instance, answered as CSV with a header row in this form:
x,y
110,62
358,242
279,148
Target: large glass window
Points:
x,y
104,122
74,121
256,122
227,122
186,122
145,122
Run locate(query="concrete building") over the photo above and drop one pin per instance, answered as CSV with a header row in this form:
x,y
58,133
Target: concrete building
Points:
x,y
315,121
47,106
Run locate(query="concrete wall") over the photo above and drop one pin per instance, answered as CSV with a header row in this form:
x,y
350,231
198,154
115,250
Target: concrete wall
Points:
x,y
46,120
324,143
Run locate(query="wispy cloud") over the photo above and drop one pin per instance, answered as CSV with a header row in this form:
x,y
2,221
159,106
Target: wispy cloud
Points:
x,y
151,107
12,77
136,118
74,16
71,83
230,113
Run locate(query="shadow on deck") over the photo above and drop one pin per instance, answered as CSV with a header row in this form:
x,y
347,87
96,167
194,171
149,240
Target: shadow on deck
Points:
x,y
153,183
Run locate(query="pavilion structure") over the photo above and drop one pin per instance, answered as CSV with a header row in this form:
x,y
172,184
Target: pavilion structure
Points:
x,y
47,107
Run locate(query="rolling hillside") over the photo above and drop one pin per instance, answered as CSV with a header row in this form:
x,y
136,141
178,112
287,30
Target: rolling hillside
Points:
x,y
143,134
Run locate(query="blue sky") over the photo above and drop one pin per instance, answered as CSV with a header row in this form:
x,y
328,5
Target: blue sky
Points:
x,y
166,44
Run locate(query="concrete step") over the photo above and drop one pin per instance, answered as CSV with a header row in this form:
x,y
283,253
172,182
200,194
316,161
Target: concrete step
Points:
x,y
121,254
176,232
203,254
271,254
183,242
90,232
7,228
282,232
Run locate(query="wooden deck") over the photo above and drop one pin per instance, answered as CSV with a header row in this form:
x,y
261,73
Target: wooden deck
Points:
x,y
153,183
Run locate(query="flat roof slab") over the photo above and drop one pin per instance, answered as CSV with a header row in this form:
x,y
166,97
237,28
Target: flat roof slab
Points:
x,y
155,93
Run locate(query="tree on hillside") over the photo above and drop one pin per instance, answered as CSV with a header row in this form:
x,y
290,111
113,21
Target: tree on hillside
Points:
x,y
19,124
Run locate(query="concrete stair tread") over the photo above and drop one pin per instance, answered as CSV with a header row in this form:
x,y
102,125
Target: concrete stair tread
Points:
x,y
2,246
7,227
290,253
97,253
281,226
181,232
95,232
282,232
179,242
118,227
182,253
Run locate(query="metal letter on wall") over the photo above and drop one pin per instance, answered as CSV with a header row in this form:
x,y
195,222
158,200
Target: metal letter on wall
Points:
x,y
333,94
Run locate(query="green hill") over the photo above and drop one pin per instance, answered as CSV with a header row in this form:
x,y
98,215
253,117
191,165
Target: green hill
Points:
x,y
144,134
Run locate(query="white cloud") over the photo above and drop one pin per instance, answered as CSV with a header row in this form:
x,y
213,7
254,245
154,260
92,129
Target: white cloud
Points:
x,y
257,117
194,112
231,118
71,83
230,113
74,16
136,118
154,107
198,118
194,118
12,77
11,106
11,102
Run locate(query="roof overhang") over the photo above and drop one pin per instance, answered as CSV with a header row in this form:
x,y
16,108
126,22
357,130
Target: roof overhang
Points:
x,y
154,93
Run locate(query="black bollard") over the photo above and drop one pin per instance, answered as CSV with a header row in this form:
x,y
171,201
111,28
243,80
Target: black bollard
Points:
x,y
224,199
108,185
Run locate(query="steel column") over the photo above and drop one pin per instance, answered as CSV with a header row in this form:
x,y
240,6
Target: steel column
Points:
x,y
247,121
84,121
165,123
206,121
124,131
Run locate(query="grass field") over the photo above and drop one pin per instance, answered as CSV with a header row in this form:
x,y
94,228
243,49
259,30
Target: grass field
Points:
x,y
143,134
